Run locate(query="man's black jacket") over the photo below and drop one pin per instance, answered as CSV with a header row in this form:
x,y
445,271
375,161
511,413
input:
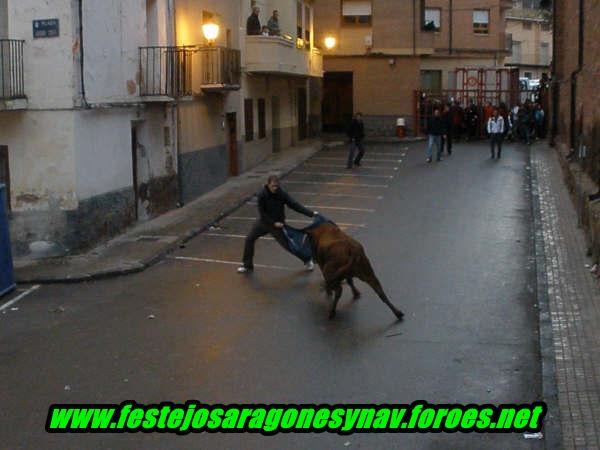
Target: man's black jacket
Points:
x,y
271,207
436,126
356,130
253,25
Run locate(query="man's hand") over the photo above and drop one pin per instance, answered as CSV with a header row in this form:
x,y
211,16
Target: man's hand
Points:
x,y
278,225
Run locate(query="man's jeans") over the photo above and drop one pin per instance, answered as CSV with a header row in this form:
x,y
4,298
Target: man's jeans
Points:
x,y
434,139
260,229
354,144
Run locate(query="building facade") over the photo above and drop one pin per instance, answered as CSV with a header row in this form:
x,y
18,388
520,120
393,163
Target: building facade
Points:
x,y
113,112
530,29
386,50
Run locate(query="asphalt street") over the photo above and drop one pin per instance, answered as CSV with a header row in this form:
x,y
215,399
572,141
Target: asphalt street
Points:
x,y
450,242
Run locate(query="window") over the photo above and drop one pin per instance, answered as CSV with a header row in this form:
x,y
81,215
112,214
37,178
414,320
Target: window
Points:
x,y
356,12
5,174
527,25
307,28
528,75
545,54
300,29
516,52
262,125
249,119
481,21
531,4
431,80
432,21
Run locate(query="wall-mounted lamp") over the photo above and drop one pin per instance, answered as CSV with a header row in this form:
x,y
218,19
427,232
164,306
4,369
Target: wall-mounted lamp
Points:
x,y
211,32
330,42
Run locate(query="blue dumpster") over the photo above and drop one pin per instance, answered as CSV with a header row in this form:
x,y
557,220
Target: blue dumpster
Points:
x,y
7,279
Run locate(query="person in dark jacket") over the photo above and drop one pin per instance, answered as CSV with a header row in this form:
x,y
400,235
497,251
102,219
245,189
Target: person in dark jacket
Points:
x,y
253,27
436,129
449,126
271,208
356,133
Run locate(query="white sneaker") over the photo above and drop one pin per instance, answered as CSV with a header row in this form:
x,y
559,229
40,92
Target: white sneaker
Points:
x,y
309,266
244,270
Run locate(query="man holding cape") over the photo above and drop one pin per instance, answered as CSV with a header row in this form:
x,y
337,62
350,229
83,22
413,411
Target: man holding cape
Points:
x,y
271,208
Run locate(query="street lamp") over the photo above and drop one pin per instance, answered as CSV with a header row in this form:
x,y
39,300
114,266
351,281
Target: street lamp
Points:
x,y
330,42
211,32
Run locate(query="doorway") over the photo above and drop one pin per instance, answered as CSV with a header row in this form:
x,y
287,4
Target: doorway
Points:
x,y
5,174
302,114
134,165
338,103
232,152
276,124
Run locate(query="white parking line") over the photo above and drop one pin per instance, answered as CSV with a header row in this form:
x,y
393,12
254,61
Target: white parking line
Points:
x,y
231,263
335,183
323,158
336,152
338,208
366,197
358,225
343,166
19,297
347,174
233,236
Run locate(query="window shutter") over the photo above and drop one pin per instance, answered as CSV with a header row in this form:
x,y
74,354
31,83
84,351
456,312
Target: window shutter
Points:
x,y
356,8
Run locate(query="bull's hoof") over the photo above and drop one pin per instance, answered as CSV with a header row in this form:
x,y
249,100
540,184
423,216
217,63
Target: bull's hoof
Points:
x,y
332,315
399,315
356,295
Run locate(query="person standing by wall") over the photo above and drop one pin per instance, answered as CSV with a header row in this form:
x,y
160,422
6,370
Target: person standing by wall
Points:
x,y
436,129
253,27
273,24
449,127
356,133
495,128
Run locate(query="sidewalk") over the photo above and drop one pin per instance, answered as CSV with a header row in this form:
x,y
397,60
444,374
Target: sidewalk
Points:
x,y
569,300
147,243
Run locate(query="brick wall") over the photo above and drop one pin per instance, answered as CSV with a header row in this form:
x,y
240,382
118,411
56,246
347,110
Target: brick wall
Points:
x,y
582,175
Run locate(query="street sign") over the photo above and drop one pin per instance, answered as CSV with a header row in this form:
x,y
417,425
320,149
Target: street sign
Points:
x,y
45,28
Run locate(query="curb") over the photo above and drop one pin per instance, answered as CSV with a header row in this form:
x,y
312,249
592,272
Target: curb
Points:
x,y
552,427
167,250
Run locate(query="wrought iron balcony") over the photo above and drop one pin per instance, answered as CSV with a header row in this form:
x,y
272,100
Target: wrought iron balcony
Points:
x,y
166,72
12,85
219,68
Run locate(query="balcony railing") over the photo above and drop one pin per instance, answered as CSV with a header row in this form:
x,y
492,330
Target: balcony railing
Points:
x,y
166,71
12,84
220,68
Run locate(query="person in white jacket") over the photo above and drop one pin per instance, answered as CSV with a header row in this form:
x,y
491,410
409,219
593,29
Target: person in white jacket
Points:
x,y
495,128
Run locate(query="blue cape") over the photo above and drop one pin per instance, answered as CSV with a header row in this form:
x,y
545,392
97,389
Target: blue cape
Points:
x,y
298,241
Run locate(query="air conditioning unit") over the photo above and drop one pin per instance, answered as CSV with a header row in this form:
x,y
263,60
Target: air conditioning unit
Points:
x,y
369,40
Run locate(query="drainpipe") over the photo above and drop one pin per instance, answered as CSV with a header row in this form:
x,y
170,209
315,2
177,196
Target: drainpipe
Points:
x,y
414,26
84,102
450,25
555,84
576,73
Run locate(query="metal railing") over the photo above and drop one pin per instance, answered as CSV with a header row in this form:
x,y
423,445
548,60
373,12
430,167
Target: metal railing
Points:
x,y
166,71
12,85
219,65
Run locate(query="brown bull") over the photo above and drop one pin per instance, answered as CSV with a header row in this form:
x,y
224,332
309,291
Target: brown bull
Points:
x,y
342,258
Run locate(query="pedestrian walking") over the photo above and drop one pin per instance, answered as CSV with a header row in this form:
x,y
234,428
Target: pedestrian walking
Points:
x,y
495,128
356,133
449,127
436,129
538,115
271,209
472,118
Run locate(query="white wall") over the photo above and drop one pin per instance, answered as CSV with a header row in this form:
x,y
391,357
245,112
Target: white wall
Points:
x,y
49,62
41,158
